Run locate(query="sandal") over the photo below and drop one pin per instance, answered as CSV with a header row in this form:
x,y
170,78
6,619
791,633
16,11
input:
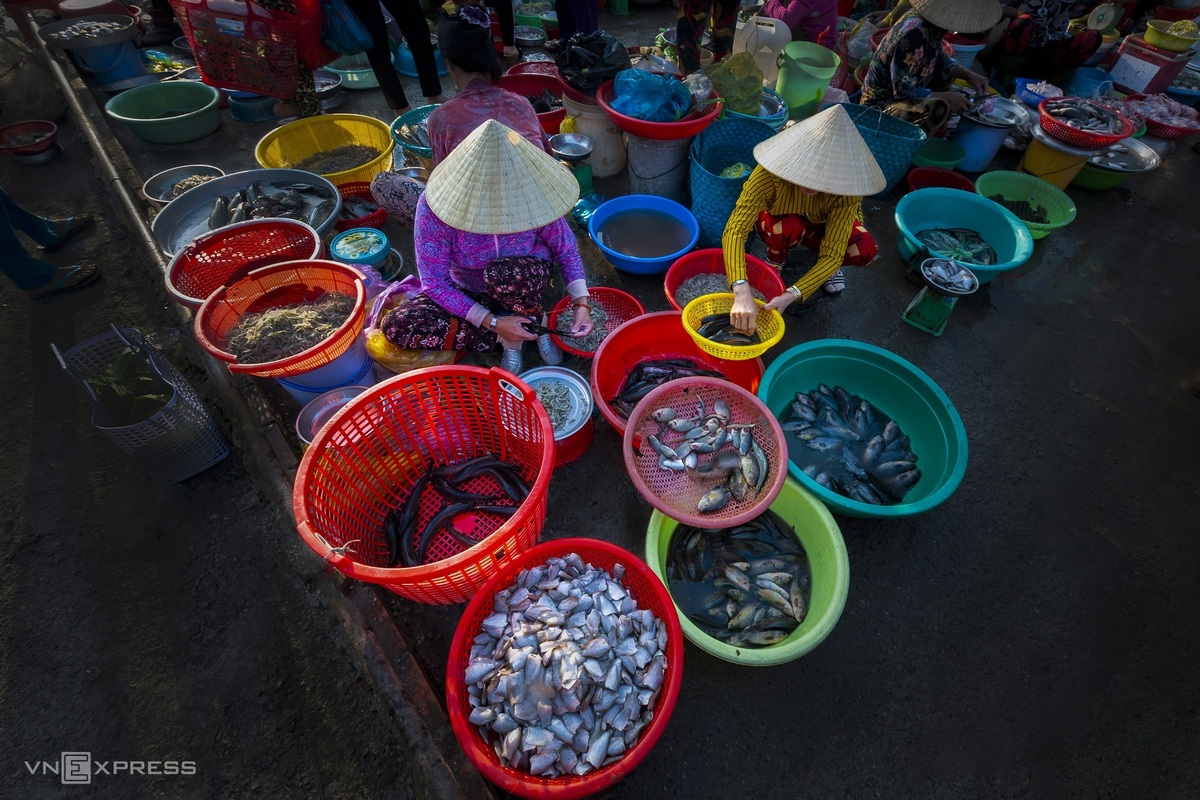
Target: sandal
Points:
x,y
75,277
553,46
836,283
511,361
67,228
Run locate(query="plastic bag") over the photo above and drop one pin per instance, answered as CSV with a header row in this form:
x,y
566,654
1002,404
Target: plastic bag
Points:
x,y
655,98
398,359
858,49
590,59
739,82
585,207
27,88
342,30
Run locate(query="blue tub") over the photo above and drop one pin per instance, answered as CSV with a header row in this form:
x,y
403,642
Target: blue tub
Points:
x,y
402,60
632,264
953,208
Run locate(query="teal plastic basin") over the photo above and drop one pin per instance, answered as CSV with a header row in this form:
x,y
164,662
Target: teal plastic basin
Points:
x,y
894,386
939,207
170,112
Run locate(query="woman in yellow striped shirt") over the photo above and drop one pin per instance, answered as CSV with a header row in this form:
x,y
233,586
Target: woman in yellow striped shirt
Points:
x,y
806,190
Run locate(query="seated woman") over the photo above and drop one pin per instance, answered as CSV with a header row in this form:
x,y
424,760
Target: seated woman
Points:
x,y
471,60
910,73
806,190
489,234
810,20
1037,38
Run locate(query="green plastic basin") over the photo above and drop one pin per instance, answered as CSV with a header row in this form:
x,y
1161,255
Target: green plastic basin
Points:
x,y
897,388
819,534
1093,177
935,152
171,112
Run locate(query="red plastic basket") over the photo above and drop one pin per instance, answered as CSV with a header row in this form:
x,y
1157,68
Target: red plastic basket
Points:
x,y
712,261
368,457
529,85
1077,138
619,306
1162,130
646,589
372,220
227,255
677,493
926,177
691,124
281,285
652,337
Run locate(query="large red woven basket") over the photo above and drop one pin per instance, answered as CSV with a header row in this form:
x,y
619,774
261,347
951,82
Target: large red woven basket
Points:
x,y
646,589
251,51
280,285
653,337
677,493
691,124
227,255
373,220
1077,138
712,261
366,460
619,306
1161,129
531,85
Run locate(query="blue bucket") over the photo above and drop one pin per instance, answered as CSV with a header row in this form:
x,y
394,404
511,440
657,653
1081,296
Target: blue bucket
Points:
x,y
351,368
981,142
635,264
111,62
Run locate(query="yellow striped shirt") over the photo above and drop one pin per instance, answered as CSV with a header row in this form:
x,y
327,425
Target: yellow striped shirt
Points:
x,y
766,192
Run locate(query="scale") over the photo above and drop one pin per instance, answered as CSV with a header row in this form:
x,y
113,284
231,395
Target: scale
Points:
x,y
573,150
945,281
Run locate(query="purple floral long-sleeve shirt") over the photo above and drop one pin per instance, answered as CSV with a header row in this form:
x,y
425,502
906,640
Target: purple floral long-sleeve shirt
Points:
x,y
815,20
448,259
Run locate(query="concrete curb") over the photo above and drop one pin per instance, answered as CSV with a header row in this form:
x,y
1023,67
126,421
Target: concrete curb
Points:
x,y
441,769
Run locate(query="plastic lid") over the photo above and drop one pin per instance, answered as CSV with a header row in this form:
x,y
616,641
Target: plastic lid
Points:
x,y
1102,17
358,245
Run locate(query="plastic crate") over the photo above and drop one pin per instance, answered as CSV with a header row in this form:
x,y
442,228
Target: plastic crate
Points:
x,y
252,50
1142,67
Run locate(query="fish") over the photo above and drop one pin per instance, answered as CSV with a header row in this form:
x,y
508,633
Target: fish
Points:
x,y
218,217
713,500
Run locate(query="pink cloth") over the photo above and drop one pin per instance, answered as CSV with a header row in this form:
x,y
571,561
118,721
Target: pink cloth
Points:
x,y
814,20
479,101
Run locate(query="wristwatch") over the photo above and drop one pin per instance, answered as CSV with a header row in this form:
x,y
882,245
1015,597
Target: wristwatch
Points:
x,y
492,324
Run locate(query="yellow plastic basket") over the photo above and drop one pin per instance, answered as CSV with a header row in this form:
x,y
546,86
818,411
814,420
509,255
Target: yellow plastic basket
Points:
x,y
769,327
287,146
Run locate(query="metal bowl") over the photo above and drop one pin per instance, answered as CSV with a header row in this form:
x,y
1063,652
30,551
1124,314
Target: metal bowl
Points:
x,y
327,83
416,173
936,271
158,187
181,43
528,36
571,147
1137,157
321,409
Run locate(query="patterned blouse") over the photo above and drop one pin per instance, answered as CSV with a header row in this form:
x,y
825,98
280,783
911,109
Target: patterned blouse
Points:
x,y
448,259
909,63
479,101
815,20
1050,17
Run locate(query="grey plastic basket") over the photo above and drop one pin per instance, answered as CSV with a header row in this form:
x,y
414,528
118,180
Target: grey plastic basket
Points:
x,y
179,441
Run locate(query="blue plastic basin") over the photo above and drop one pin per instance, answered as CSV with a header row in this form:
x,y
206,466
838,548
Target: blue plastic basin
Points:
x,y
629,202
953,208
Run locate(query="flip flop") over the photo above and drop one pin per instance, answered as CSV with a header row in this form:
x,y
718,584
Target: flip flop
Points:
x,y
76,277
73,226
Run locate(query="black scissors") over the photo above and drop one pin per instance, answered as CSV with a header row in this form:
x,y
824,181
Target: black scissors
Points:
x,y
534,327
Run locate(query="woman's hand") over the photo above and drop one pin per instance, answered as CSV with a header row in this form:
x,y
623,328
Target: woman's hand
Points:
x,y
509,330
957,101
977,82
781,302
744,314
582,321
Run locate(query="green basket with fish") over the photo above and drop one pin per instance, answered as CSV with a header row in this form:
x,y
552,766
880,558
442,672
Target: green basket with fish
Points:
x,y
1043,207
410,133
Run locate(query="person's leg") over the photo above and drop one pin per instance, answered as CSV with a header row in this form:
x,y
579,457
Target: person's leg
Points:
x,y
398,194
587,15
724,16
1015,41
421,324
380,53
566,19
504,10
517,284
415,30
693,21
780,234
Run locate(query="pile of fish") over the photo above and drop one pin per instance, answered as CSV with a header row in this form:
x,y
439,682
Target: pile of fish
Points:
x,y
339,159
949,276
1023,209
850,447
960,244
565,674
1118,105
546,101
1120,157
306,202
719,328
747,586
481,485
190,182
707,283
356,207
87,28
1083,115
648,375
416,134
1187,80
25,139
741,471
1164,110
555,397
591,342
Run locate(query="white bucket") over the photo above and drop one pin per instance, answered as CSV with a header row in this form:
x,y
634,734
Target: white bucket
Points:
x,y
351,368
659,167
608,153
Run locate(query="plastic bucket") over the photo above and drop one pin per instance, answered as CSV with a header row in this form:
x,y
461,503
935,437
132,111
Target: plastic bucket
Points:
x,y
351,368
659,167
111,62
1089,82
805,70
981,143
608,155
1051,160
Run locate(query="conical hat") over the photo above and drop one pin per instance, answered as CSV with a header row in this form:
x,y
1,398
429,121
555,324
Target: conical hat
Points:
x,y
961,16
497,181
824,152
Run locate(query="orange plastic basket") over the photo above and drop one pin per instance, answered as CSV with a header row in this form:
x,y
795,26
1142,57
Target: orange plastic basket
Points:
x,y
677,493
373,220
712,260
239,45
619,306
228,254
367,459
646,589
281,285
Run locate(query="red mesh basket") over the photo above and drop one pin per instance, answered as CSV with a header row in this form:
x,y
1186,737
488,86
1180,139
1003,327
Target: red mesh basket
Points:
x,y
368,457
532,84
676,493
653,337
646,589
227,255
1161,129
250,51
533,68
691,124
372,220
619,306
1077,138
712,261
280,285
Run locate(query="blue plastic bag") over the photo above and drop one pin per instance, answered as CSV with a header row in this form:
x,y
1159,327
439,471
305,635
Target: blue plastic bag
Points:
x,y
342,30
654,98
